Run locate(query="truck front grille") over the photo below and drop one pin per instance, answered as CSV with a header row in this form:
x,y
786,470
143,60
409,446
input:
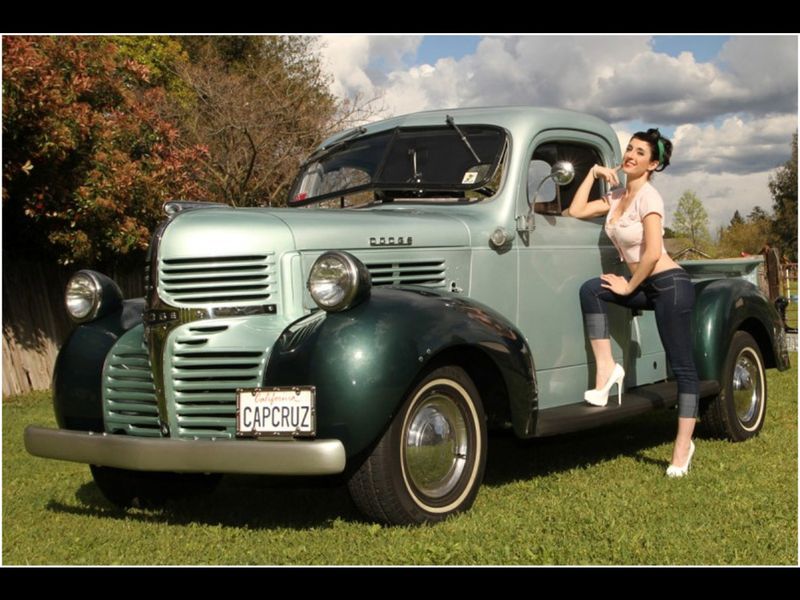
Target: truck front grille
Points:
x,y
201,383
130,398
239,280
204,381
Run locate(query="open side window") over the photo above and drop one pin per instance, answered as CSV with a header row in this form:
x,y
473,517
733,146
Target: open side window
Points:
x,y
550,199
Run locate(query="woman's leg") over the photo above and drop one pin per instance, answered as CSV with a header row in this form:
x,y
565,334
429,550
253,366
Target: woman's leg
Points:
x,y
683,441
603,359
673,307
595,318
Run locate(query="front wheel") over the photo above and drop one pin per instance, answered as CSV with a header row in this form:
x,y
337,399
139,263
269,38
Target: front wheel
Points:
x,y
430,462
738,412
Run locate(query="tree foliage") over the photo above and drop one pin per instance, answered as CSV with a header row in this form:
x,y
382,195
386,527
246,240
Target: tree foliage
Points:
x,y
691,220
783,186
742,236
87,160
162,55
99,131
261,105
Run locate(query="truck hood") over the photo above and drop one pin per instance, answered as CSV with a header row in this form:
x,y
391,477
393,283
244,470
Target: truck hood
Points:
x,y
355,229
227,232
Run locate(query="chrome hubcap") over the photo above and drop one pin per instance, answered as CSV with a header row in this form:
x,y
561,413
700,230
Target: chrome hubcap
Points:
x,y
436,446
747,386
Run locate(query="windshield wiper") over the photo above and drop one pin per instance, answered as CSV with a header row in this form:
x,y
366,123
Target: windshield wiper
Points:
x,y
449,120
357,132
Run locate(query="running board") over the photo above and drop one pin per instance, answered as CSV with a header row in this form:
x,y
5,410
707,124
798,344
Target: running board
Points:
x,y
635,401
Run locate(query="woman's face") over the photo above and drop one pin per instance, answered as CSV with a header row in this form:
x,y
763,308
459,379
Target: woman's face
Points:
x,y
637,160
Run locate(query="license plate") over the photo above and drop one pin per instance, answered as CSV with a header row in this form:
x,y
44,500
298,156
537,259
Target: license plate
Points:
x,y
278,411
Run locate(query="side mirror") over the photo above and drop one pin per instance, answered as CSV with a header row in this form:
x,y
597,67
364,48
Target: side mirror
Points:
x,y
562,173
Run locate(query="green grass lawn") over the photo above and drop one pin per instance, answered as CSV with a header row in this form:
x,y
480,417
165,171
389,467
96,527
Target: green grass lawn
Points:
x,y
597,497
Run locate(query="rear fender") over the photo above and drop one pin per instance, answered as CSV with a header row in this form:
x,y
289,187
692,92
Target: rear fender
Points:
x,y
725,306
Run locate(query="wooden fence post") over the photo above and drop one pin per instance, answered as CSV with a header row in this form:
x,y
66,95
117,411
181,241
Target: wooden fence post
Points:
x,y
35,321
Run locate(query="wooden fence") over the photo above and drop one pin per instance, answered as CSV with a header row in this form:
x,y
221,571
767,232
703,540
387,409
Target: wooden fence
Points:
x,y
35,322
789,289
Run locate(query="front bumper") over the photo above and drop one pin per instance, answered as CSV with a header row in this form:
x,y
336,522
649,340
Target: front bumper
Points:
x,y
255,457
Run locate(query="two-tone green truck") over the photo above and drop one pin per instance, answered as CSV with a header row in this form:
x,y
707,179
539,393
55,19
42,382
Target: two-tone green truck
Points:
x,y
420,289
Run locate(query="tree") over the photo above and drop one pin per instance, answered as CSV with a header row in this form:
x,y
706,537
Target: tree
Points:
x,y
162,55
783,186
87,160
261,105
691,220
758,214
737,218
748,236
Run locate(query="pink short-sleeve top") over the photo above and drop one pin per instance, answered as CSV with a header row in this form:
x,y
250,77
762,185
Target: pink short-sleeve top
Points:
x,y
627,232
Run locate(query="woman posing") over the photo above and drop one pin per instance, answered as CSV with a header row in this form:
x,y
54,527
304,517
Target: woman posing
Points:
x,y
634,222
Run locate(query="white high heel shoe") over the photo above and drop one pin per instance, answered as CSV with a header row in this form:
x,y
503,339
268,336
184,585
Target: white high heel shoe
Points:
x,y
674,471
599,397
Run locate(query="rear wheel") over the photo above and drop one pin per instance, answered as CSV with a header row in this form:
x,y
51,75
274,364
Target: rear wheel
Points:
x,y
430,462
149,489
738,412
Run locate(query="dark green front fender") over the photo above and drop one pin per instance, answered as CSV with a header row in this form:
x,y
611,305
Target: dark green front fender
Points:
x,y
725,306
78,372
365,360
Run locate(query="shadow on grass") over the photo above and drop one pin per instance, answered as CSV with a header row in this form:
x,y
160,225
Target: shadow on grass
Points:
x,y
263,502
511,459
254,502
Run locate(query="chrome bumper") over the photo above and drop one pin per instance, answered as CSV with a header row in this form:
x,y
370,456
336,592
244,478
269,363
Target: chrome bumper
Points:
x,y
274,457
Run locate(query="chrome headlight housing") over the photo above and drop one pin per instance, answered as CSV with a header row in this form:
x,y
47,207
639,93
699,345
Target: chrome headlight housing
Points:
x,y
338,281
90,295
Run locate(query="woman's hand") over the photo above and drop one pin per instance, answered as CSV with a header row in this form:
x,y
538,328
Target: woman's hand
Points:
x,y
616,283
609,174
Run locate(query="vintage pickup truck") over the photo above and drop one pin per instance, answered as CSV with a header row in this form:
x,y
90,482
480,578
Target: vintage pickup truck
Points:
x,y
420,289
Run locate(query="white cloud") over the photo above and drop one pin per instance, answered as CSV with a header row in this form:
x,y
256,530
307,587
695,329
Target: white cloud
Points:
x,y
736,146
348,58
617,78
661,88
394,48
424,87
721,194
766,68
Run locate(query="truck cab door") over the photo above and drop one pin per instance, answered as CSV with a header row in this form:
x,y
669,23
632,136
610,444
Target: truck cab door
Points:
x,y
555,258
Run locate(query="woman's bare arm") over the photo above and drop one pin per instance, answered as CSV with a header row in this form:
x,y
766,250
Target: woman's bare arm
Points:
x,y
583,208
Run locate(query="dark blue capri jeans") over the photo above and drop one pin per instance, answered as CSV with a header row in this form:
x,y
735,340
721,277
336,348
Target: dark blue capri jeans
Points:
x,y
671,295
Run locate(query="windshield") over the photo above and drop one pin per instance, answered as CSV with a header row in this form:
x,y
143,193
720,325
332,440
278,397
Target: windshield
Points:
x,y
421,163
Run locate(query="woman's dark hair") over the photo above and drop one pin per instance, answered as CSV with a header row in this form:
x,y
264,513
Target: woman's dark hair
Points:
x,y
653,137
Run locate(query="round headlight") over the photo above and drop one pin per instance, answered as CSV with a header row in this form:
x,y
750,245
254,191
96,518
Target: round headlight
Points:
x,y
338,281
82,296
91,295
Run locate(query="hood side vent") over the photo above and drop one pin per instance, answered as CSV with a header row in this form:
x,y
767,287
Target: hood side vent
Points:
x,y
233,280
429,272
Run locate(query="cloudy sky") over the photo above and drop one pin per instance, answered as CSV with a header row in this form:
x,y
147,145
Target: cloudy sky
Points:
x,y
729,103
